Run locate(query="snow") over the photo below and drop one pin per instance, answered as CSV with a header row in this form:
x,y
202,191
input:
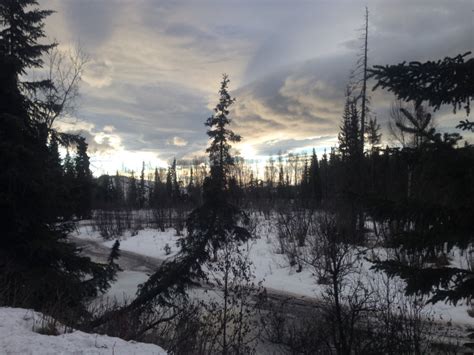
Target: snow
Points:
x,y
18,335
148,242
270,268
275,273
126,285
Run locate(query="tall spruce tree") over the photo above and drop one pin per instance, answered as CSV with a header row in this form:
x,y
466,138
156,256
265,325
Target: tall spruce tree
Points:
x,y
211,226
38,268
141,188
216,219
315,179
22,28
119,197
175,188
83,180
434,223
349,138
218,225
132,193
304,182
155,198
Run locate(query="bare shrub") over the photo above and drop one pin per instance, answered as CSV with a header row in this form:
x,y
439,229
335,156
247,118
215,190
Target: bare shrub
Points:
x,y
294,224
230,313
295,333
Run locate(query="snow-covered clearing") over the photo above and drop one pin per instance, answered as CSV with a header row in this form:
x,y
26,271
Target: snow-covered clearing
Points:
x,y
19,335
269,267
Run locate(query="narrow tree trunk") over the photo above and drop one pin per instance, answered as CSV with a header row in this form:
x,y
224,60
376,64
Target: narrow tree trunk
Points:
x,y
364,84
226,295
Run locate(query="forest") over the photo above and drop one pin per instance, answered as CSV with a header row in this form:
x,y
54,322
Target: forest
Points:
x,y
366,248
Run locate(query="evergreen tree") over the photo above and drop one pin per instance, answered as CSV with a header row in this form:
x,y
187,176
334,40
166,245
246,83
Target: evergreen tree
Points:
x,y
38,268
155,199
132,196
218,225
119,197
442,82
304,182
434,224
281,177
373,133
270,173
141,188
68,166
170,178
349,141
112,266
105,193
158,200
216,219
214,224
54,155
193,190
315,179
83,180
57,174
221,137
22,28
175,188
324,176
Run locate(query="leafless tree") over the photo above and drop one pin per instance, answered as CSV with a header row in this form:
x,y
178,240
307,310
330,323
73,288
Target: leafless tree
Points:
x,y
64,70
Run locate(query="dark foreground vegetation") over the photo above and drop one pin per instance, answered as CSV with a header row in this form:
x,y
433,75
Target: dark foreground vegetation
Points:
x,y
415,200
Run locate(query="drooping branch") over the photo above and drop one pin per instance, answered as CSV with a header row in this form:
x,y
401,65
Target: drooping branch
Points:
x,y
448,81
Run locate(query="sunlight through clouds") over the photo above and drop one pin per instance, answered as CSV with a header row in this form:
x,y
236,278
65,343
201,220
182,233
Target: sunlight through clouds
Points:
x,y
155,67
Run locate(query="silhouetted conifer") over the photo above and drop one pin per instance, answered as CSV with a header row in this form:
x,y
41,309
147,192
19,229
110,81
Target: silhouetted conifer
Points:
x,y
38,267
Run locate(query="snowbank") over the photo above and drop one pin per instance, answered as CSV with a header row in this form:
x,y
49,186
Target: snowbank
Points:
x,y
18,335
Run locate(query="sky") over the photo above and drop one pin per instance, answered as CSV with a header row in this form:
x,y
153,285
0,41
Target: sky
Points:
x,y
155,67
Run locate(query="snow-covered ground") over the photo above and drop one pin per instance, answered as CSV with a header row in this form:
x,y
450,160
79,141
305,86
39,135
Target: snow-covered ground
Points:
x,y
270,268
19,335
148,242
125,287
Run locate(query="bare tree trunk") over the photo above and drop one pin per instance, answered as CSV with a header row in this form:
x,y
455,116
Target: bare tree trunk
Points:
x,y
364,83
226,296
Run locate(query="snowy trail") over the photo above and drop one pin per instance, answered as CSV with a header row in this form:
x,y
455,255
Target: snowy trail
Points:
x,y
293,304
128,261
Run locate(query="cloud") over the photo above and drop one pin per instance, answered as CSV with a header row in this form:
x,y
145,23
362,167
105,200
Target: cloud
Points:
x,y
92,21
293,105
98,74
100,141
285,146
178,141
155,66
